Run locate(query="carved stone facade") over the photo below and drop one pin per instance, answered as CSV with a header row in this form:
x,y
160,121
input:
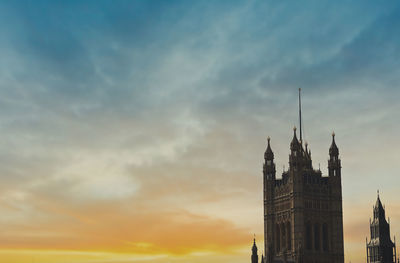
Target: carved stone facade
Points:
x,y
303,219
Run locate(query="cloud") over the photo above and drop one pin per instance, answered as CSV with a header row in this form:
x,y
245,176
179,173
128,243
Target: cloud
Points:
x,y
147,122
126,227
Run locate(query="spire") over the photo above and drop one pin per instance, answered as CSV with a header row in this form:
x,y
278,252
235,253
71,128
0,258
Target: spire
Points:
x,y
268,155
333,150
254,255
254,244
379,210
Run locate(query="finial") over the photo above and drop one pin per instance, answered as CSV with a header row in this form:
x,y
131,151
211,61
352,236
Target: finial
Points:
x,y
294,128
333,134
268,138
377,192
306,143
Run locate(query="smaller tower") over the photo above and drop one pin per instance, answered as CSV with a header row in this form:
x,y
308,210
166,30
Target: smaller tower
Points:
x,y
269,165
334,165
254,255
380,248
269,186
334,177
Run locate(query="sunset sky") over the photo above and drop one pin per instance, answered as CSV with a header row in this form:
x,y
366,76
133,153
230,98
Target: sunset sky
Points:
x,y
134,131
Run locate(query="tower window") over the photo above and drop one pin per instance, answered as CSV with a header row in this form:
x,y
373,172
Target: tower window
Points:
x,y
372,232
325,237
316,237
283,230
278,239
289,236
308,236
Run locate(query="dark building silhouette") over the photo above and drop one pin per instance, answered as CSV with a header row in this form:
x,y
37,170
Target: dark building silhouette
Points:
x,y
303,219
380,248
254,255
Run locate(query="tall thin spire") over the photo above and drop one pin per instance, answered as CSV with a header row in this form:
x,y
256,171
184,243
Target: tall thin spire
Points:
x,y
301,133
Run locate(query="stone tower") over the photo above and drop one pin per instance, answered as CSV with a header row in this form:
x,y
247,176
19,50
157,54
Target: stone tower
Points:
x,y
303,219
380,249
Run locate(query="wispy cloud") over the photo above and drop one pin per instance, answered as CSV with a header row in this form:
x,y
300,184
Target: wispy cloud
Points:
x,y
140,126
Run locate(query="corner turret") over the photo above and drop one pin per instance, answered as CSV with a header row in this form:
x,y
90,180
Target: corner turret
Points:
x,y
334,165
269,165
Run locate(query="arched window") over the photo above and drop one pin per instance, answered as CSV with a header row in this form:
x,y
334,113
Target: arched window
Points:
x,y
325,239
278,239
283,239
316,236
308,236
289,236
372,232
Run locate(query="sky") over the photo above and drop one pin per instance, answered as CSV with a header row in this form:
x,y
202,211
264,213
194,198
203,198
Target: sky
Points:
x,y
134,131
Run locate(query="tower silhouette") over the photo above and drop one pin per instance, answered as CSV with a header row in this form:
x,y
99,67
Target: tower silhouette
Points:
x,y
380,248
254,255
303,220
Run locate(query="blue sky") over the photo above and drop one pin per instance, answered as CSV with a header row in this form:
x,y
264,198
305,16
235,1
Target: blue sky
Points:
x,y
103,102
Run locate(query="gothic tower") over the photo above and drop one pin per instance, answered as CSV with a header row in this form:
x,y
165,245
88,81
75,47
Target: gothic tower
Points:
x,y
380,249
303,219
